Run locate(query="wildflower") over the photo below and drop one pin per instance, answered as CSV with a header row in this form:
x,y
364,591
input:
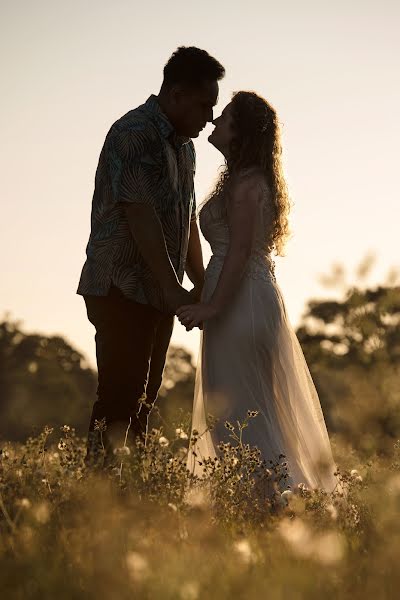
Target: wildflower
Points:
x,y
328,548
286,496
65,428
189,591
181,434
137,565
332,510
197,497
243,548
355,475
301,487
62,445
100,425
297,535
163,441
42,513
252,413
229,426
123,451
24,503
393,485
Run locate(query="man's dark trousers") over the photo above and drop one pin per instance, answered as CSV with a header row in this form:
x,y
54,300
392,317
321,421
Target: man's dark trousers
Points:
x,y
131,344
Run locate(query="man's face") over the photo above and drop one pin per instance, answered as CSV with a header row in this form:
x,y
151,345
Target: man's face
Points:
x,y
194,108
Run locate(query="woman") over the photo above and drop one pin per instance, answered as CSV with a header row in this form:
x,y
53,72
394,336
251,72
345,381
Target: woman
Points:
x,y
250,357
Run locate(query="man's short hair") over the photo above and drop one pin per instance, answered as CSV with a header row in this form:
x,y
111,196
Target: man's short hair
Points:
x,y
191,66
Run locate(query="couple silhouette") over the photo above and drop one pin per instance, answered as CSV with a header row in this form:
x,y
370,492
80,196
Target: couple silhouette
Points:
x,y
144,237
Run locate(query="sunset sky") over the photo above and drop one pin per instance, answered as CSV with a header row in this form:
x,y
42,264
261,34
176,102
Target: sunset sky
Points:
x,y
70,69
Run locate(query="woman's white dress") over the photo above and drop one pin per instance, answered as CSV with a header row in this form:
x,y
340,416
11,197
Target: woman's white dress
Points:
x,y
250,359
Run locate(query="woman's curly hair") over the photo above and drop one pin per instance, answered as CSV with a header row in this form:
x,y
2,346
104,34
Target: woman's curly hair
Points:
x,y
256,144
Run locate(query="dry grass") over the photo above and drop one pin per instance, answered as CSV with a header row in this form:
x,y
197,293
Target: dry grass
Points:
x,y
133,531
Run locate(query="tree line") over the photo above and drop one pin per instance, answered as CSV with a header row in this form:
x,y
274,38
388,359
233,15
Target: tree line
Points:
x,y
351,344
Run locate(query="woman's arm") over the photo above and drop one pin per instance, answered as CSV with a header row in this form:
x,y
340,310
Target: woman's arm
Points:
x,y
242,218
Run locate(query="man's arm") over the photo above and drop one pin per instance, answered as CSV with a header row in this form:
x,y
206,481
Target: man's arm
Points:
x,y
194,260
146,229
137,192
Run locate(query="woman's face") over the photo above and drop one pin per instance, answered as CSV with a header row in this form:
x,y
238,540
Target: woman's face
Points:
x,y
223,133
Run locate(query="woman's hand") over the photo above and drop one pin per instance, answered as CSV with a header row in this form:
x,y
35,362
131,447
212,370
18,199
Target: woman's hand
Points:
x,y
193,315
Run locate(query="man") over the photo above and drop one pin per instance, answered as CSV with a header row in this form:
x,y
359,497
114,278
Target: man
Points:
x,y
143,237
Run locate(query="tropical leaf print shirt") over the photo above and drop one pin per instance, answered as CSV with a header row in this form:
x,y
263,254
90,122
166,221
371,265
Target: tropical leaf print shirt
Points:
x,y
142,161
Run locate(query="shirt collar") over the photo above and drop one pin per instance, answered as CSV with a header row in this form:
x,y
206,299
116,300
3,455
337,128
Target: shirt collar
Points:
x,y
163,123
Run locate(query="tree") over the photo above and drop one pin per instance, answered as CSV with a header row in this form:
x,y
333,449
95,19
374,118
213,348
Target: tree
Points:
x,y
352,347
43,380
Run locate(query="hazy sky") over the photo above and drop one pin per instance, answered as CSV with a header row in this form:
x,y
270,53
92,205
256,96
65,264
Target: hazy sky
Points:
x,y
70,69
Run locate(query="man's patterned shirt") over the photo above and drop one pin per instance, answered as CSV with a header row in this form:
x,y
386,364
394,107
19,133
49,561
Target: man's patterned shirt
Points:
x,y
142,161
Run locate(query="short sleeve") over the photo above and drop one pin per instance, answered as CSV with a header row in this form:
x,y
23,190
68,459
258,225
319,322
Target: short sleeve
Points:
x,y
135,161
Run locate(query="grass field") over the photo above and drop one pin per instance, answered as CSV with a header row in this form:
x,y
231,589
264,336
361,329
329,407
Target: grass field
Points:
x,y
134,530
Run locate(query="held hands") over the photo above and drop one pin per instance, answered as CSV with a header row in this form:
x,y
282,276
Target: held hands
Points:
x,y
187,306
193,315
176,296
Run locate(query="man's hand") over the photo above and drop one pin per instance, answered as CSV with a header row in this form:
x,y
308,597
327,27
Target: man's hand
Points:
x,y
195,314
176,297
147,230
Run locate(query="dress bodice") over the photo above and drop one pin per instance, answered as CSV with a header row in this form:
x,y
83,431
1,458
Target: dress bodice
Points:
x,y
215,228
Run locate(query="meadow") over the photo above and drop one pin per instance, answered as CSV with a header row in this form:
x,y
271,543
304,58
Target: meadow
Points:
x,y
136,530
144,527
